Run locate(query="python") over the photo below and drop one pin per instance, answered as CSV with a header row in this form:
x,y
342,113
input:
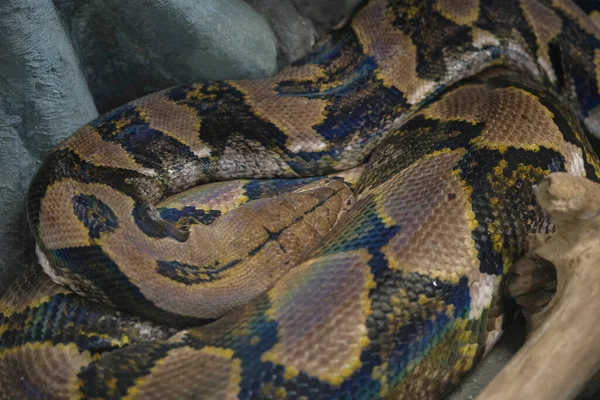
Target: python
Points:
x,y
340,230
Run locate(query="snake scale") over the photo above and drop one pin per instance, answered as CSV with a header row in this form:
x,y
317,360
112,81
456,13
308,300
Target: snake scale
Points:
x,y
338,231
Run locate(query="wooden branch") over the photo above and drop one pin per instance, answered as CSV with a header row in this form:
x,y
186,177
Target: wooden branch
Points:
x,y
563,352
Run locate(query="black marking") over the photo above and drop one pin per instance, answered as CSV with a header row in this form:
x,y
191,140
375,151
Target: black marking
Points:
x,y
192,274
189,215
93,265
64,315
555,54
578,48
400,342
263,188
588,5
148,219
433,35
168,157
272,236
518,201
95,215
112,376
507,20
226,116
418,137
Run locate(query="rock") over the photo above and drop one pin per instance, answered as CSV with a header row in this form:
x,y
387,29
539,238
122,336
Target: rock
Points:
x,y
326,15
298,24
131,48
295,34
43,99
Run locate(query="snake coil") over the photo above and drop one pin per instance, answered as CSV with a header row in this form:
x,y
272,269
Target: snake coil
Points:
x,y
338,231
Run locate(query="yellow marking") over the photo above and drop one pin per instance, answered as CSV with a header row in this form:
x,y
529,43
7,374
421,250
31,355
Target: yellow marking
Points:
x,y
546,25
134,390
595,16
236,374
240,200
591,159
235,367
499,185
290,373
461,324
269,391
91,147
499,169
469,214
468,365
294,116
497,242
8,311
451,10
254,340
281,393
412,12
70,349
363,341
345,363
268,357
270,315
422,300
597,66
218,351
122,123
198,93
435,153
315,73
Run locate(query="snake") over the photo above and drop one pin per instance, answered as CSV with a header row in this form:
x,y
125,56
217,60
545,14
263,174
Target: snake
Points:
x,y
340,230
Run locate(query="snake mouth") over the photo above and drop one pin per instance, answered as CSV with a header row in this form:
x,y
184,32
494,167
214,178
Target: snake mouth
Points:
x,y
322,188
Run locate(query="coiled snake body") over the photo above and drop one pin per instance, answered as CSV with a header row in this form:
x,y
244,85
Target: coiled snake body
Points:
x,y
276,283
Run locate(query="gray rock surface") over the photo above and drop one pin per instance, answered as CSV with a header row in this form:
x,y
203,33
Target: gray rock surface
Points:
x,y
43,99
295,34
129,48
326,14
299,23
